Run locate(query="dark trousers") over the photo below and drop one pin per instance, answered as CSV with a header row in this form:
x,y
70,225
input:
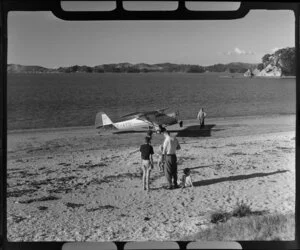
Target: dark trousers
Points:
x,y
202,123
171,169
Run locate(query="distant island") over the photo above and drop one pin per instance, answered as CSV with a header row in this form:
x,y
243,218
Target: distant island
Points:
x,y
135,68
281,63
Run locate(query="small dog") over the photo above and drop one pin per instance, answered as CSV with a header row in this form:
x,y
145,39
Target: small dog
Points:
x,y
186,180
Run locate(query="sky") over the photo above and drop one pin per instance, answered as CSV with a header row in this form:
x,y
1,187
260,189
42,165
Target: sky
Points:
x,y
39,38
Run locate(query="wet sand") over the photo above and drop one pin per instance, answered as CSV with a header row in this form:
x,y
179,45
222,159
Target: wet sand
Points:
x,y
78,184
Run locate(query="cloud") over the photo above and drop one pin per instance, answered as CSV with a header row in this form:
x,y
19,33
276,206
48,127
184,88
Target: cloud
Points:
x,y
238,51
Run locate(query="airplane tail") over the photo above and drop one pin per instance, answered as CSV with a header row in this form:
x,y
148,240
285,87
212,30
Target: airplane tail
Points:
x,y
102,120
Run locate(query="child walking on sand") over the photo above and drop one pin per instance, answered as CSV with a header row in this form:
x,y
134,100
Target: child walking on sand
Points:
x,y
147,161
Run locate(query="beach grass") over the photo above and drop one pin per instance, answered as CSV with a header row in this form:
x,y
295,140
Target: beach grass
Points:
x,y
267,227
245,224
241,210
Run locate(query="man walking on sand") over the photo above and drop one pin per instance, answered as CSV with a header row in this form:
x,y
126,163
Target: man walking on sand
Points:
x,y
201,116
169,151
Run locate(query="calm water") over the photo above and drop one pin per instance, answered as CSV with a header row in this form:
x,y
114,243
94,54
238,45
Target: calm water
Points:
x,y
61,100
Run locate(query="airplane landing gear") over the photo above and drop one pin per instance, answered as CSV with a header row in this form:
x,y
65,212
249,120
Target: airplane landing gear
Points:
x,y
160,129
149,133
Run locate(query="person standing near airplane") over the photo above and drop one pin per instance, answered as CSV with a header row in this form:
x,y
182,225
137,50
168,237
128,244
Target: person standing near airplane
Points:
x,y
201,116
147,161
149,135
169,151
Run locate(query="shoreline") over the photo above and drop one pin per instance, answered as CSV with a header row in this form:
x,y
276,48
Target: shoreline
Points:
x,y
262,77
211,118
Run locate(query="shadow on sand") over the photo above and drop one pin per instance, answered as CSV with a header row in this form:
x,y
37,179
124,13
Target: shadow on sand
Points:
x,y
195,131
208,166
235,178
223,179
131,132
190,131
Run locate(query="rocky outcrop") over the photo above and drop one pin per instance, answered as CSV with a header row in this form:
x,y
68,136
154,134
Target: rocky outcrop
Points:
x,y
255,72
248,73
281,63
270,70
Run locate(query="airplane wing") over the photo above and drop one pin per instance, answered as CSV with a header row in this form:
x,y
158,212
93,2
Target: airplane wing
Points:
x,y
161,110
134,114
158,119
144,113
147,120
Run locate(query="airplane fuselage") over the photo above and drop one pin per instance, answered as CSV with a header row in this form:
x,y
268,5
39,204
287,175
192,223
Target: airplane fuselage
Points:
x,y
148,119
160,119
132,123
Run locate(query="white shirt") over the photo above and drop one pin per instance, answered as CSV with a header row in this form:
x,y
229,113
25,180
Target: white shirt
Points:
x,y
201,115
186,181
170,145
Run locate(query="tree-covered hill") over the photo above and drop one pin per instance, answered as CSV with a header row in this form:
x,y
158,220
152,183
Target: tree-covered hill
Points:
x,y
237,67
281,63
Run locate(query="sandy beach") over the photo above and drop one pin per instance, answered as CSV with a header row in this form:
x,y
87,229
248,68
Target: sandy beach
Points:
x,y
78,184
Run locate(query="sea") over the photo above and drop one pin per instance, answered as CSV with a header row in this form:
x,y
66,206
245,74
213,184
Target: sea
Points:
x,y
70,100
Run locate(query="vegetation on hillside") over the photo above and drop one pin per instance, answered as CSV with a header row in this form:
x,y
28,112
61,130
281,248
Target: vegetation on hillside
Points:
x,y
286,59
283,61
135,68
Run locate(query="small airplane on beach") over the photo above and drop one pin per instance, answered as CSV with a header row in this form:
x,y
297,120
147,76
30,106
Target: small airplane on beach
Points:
x,y
155,119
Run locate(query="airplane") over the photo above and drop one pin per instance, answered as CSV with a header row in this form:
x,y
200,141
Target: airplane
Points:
x,y
156,119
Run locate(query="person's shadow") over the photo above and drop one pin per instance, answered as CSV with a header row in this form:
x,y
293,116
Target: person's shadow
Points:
x,y
235,178
130,132
195,131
